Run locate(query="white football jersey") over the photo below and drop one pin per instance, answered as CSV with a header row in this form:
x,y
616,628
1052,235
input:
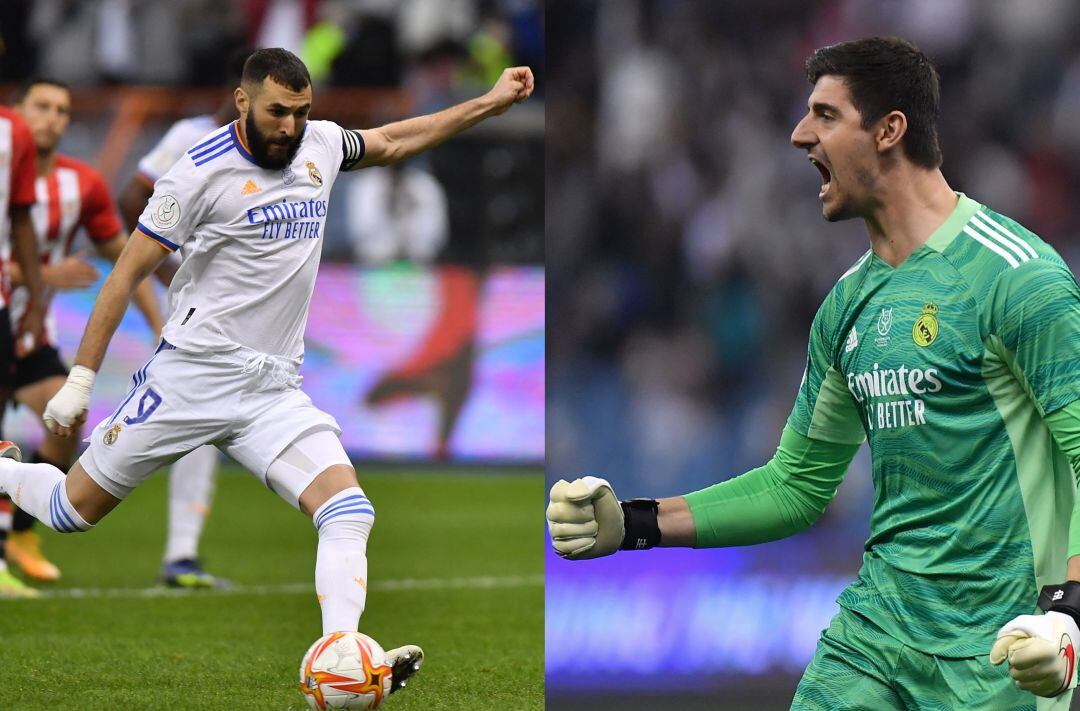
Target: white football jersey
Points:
x,y
250,239
181,136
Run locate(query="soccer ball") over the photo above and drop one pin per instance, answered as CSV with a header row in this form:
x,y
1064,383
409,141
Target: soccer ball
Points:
x,y
345,670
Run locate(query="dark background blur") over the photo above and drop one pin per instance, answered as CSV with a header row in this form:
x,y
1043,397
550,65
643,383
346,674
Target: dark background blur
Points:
x,y
686,257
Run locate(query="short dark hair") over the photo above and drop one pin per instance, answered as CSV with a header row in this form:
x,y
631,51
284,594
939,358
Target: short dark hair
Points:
x,y
887,74
281,65
25,87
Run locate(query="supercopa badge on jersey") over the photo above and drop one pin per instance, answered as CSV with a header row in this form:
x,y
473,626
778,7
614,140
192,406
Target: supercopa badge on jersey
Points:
x,y
925,329
167,212
314,174
112,434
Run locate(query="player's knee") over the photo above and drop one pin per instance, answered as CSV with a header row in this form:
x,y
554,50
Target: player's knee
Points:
x,y
349,512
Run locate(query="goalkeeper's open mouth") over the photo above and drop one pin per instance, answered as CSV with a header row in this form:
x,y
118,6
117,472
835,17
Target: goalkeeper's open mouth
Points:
x,y
826,176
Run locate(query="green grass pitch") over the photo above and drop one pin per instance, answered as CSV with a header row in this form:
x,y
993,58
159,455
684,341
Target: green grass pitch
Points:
x,y
455,565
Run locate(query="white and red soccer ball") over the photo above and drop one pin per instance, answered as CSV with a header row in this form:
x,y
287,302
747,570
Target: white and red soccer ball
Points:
x,y
345,670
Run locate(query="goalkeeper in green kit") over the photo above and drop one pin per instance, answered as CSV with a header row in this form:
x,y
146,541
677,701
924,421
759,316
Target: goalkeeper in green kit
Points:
x,y
953,348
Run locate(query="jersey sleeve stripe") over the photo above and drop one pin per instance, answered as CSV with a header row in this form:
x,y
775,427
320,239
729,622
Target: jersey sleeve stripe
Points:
x,y
855,267
991,246
196,154
213,139
221,150
990,226
146,232
1021,255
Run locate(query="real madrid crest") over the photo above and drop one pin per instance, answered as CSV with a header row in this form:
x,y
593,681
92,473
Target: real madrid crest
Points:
x,y
314,174
926,326
112,434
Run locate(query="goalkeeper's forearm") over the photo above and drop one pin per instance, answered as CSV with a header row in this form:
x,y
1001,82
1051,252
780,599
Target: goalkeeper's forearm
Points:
x,y
771,502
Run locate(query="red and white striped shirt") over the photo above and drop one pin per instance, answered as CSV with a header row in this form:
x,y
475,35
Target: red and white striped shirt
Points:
x,y
71,196
16,182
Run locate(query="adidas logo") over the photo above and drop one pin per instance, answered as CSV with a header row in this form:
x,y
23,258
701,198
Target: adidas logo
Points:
x,y
250,187
852,341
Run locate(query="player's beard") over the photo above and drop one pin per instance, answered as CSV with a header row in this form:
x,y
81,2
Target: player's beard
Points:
x,y
260,147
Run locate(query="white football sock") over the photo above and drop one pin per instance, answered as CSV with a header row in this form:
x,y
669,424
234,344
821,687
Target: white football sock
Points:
x,y
344,522
38,489
191,487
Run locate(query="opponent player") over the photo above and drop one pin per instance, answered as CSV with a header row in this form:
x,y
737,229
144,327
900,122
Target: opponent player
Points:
x,y
953,347
70,195
191,479
16,236
246,207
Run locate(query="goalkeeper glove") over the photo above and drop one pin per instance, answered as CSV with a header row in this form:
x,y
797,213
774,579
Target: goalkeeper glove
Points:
x,y
1041,649
587,521
69,405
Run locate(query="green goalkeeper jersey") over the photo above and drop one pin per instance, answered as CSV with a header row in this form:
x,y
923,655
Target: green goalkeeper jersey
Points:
x,y
947,365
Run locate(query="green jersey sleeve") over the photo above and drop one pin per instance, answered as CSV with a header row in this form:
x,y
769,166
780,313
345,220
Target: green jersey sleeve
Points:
x,y
824,409
1064,424
1035,321
775,501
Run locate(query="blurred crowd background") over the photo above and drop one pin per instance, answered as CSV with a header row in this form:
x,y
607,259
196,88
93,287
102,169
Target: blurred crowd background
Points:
x,y
686,257
428,317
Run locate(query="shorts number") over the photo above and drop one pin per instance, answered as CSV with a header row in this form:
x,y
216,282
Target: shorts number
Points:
x,y
145,410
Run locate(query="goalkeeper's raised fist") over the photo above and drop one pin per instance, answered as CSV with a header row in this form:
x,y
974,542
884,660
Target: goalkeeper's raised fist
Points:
x,y
1041,650
584,518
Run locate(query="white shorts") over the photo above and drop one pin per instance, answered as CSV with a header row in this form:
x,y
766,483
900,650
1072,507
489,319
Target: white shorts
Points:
x,y
247,404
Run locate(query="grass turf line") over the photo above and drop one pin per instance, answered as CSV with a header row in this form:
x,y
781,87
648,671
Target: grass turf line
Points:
x,y
484,645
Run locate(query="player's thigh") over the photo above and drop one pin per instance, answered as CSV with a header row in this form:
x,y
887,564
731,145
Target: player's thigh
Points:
x,y
311,469
170,412
851,669
929,682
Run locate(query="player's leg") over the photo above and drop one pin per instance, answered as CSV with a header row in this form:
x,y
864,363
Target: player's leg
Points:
x,y
10,586
927,681
65,503
191,488
315,475
38,377
851,669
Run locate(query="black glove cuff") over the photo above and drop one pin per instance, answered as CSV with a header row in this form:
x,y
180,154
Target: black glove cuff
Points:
x,y
640,523
1063,598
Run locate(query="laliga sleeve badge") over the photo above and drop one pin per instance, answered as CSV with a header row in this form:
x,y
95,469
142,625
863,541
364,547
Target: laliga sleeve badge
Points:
x,y
926,326
112,434
167,212
314,174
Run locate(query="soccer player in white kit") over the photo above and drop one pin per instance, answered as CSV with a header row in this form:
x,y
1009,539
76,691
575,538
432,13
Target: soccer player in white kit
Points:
x,y
246,208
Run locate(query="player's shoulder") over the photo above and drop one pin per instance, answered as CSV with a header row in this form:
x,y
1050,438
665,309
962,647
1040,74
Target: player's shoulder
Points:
x,y
18,123
326,134
992,249
210,152
845,289
84,170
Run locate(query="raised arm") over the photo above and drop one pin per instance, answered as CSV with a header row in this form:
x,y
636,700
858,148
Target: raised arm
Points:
x,y
403,139
771,502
